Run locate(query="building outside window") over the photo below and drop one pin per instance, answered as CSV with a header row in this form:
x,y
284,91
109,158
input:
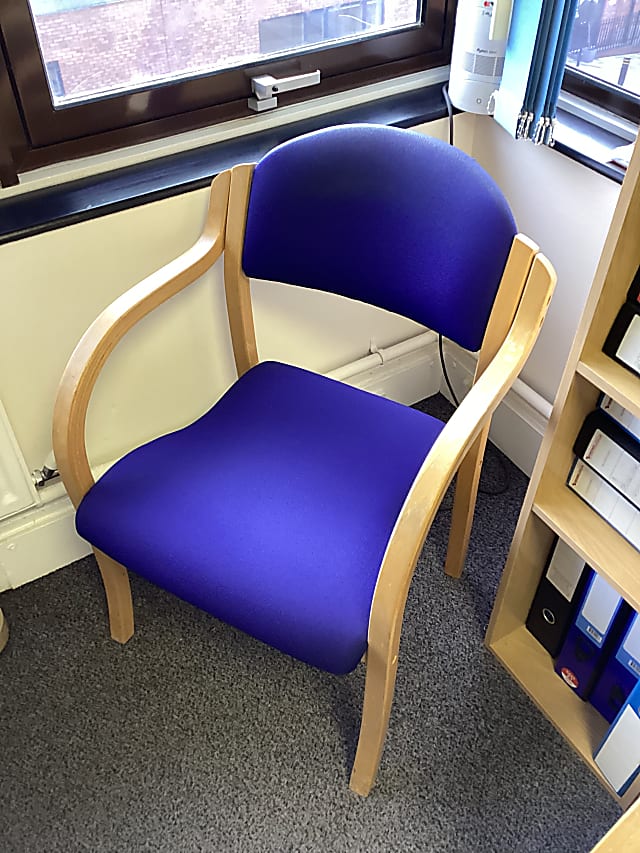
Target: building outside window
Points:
x,y
82,76
104,47
98,74
318,25
604,55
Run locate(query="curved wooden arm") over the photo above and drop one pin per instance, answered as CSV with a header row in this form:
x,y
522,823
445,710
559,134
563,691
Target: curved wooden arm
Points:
x,y
101,338
513,281
439,467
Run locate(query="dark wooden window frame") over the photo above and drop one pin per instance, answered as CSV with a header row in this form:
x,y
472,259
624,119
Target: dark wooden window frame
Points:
x,y
603,95
34,133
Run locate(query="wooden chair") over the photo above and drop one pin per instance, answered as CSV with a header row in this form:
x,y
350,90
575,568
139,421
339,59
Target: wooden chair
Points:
x,y
324,493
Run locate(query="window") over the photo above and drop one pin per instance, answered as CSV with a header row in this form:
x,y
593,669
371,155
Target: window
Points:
x,y
90,75
603,65
54,77
315,26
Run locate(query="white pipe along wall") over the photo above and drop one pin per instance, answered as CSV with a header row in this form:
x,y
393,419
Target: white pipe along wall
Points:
x,y
74,272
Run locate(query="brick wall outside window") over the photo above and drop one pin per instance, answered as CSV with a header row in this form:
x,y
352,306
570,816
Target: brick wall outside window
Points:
x,y
128,44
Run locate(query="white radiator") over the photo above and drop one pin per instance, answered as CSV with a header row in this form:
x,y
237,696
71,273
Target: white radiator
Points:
x,y
17,491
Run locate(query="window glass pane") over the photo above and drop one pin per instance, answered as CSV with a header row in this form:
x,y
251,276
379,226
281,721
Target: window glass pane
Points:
x,y
605,42
314,26
285,32
102,47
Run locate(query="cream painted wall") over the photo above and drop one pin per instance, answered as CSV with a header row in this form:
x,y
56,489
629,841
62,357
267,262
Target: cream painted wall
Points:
x,y
53,286
566,208
177,361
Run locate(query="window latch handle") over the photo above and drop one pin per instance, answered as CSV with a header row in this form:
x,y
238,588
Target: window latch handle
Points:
x,y
266,88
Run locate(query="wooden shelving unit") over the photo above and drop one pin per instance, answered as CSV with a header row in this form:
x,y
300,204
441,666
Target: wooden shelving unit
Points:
x,y
551,508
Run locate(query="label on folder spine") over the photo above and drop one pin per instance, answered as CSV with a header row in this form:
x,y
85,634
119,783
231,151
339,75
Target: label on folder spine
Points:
x,y
629,348
565,569
618,757
620,414
617,466
600,606
629,652
606,501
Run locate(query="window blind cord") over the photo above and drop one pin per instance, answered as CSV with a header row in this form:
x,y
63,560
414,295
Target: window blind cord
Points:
x,y
505,471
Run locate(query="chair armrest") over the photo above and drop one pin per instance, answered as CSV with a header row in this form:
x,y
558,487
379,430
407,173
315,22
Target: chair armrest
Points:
x,y
444,458
101,338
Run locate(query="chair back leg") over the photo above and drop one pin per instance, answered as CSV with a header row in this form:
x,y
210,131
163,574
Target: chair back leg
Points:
x,y
118,591
464,505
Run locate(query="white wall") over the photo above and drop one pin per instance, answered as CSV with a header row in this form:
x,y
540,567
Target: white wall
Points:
x,y
55,284
178,361
566,208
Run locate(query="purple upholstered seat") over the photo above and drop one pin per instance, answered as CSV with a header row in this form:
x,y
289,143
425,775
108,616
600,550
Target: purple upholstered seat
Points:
x,y
272,511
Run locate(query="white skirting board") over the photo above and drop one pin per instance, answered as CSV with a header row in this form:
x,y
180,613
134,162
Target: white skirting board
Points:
x,y
42,539
39,541
519,422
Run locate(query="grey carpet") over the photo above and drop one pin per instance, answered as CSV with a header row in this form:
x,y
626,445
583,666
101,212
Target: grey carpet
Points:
x,y
194,737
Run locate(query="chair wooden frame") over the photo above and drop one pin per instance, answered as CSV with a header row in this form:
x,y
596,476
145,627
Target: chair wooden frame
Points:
x,y
88,359
519,310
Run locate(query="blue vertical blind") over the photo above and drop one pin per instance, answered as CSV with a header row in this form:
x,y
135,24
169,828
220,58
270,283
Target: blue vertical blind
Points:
x,y
526,102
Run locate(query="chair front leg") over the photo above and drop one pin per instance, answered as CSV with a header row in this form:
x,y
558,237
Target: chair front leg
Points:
x,y
382,665
118,591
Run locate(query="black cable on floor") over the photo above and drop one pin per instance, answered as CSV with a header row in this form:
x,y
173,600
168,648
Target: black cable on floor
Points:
x,y
506,482
445,374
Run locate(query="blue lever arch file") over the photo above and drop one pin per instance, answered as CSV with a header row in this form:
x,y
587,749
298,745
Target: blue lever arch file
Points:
x,y
618,756
621,672
600,617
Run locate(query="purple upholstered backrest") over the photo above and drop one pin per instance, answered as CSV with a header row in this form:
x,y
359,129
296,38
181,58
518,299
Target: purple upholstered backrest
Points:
x,y
386,216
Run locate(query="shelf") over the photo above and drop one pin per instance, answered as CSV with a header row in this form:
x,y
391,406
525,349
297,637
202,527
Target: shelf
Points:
x,y
550,506
577,721
590,536
613,379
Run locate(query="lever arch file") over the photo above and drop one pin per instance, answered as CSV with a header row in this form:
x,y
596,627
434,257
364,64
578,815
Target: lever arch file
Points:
x,y
621,672
628,421
634,290
606,501
561,586
612,452
618,756
600,617
623,341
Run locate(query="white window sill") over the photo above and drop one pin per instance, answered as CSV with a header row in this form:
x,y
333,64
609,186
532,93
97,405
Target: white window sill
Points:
x,y
67,193
592,135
